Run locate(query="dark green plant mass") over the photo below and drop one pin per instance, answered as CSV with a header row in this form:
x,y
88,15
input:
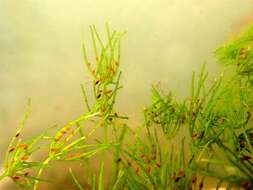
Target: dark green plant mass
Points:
x,y
181,145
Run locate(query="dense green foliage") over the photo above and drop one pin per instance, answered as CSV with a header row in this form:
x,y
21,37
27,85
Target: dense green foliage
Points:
x,y
180,144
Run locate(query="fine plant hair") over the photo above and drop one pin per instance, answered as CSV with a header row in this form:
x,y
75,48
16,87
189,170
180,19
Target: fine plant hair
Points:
x,y
179,145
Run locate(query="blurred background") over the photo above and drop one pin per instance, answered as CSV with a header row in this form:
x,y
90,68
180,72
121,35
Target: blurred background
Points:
x,y
41,56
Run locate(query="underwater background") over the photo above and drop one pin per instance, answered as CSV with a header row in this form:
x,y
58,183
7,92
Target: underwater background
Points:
x,y
41,57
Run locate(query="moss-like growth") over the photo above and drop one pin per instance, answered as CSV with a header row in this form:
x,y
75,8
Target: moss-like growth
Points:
x,y
179,145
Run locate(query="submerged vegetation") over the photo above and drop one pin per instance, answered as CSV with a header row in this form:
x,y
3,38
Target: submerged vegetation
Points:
x,y
180,144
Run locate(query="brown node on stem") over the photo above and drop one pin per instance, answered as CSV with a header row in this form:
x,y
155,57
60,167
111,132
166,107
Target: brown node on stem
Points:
x,y
108,91
148,169
181,173
194,135
64,130
16,177
245,158
24,146
96,82
74,155
201,185
194,179
24,158
173,177
55,150
103,109
129,162
118,160
58,136
26,174
183,119
177,179
243,53
57,139
137,170
98,96
11,149
199,99
245,184
222,120
113,71
17,135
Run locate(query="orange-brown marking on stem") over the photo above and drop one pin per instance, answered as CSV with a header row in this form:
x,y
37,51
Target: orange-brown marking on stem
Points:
x,y
24,158
245,158
108,91
201,185
181,174
11,149
137,170
148,169
158,165
173,177
64,130
16,177
24,146
74,155
55,150
96,82
98,96
194,179
26,174
245,184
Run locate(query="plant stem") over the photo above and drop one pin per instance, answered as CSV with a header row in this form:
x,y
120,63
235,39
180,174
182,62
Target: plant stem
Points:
x,y
44,164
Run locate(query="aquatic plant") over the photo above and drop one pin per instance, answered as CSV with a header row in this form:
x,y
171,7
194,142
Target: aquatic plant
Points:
x,y
179,145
